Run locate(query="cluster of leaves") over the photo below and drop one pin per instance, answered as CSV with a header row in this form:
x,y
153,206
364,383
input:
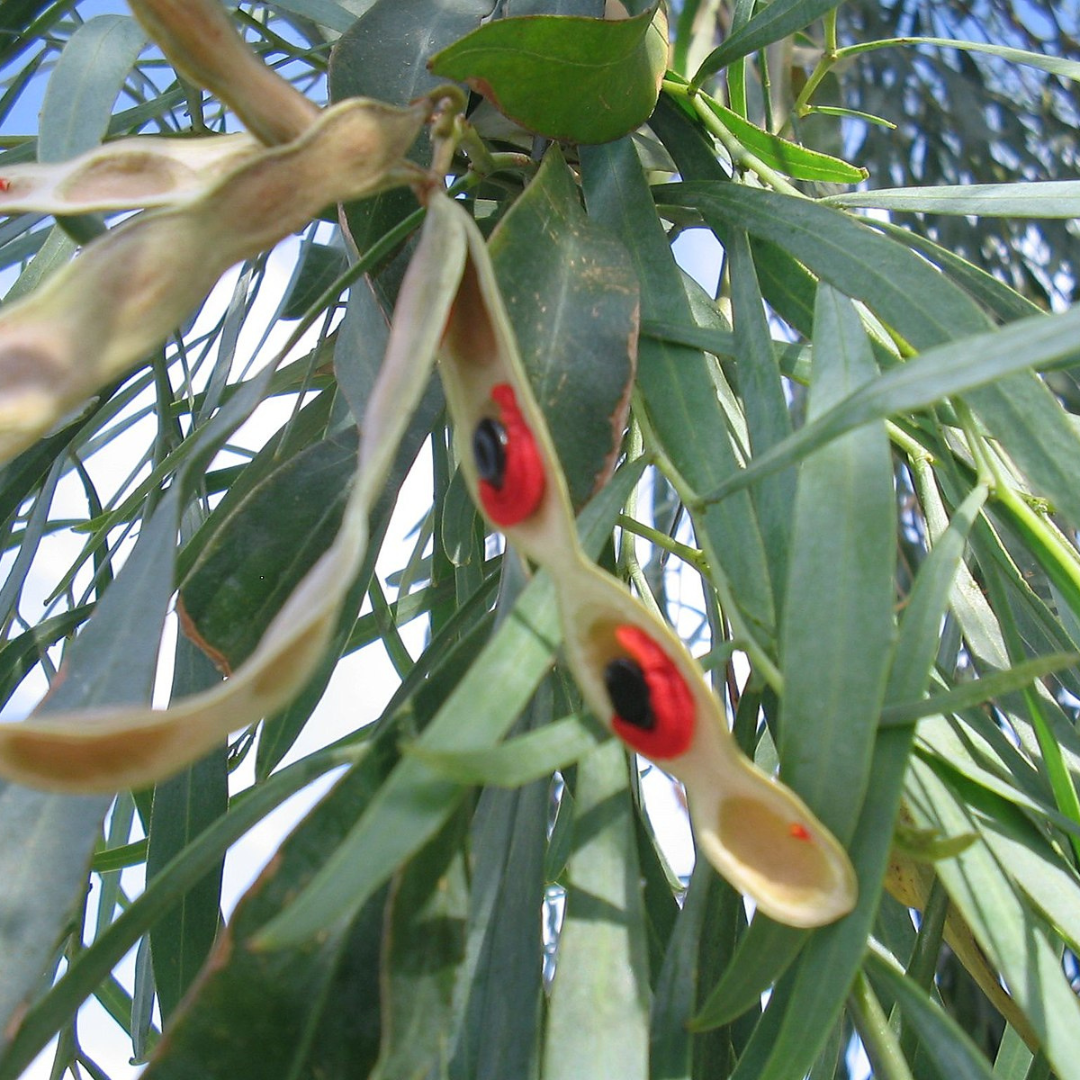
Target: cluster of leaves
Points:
x,y
880,493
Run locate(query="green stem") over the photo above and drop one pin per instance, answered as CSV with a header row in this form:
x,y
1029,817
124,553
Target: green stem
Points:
x,y
738,153
878,1038
693,556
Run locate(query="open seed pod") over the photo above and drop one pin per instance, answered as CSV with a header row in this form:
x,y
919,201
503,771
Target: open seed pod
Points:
x,y
637,677
634,672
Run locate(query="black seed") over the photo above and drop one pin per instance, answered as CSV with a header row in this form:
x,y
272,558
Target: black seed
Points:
x,y
489,451
629,693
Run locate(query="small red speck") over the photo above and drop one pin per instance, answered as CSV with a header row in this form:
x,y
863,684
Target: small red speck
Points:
x,y
798,832
5,184
522,487
671,700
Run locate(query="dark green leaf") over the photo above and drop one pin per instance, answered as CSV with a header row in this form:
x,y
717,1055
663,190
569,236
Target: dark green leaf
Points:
x,y
572,298
564,77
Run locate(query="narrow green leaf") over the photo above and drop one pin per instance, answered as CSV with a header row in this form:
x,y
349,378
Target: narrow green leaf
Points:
x,y
788,158
768,421
678,390
422,950
384,55
977,691
603,933
502,984
1040,199
527,67
184,807
518,761
84,85
837,628
904,290
960,368
1006,929
771,23
1053,65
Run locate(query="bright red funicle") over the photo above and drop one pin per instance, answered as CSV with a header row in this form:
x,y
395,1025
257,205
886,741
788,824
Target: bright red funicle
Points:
x,y
513,490
671,701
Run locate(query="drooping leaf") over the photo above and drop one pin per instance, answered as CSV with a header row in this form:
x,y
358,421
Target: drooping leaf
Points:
x,y
572,299
565,77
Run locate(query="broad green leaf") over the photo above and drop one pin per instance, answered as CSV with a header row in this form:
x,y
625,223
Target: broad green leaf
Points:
x,y
262,550
84,86
837,627
572,299
1007,930
603,933
564,77
771,23
518,761
328,13
788,158
1041,199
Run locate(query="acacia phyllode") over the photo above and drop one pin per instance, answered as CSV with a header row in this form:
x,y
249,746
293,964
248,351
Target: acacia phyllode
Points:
x,y
508,462
654,706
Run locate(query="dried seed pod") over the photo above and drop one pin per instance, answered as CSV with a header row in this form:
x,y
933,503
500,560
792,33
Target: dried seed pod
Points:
x,y
200,40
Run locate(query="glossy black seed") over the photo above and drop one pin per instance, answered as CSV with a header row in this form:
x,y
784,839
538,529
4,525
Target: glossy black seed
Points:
x,y
629,693
489,451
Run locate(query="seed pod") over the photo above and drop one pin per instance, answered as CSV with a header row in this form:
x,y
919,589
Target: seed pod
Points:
x,y
508,461
654,708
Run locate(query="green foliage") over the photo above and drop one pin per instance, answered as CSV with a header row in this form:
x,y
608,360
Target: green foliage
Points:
x,y
847,478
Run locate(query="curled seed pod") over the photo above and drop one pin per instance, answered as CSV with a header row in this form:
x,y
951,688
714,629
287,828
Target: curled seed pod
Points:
x,y
654,706
512,471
